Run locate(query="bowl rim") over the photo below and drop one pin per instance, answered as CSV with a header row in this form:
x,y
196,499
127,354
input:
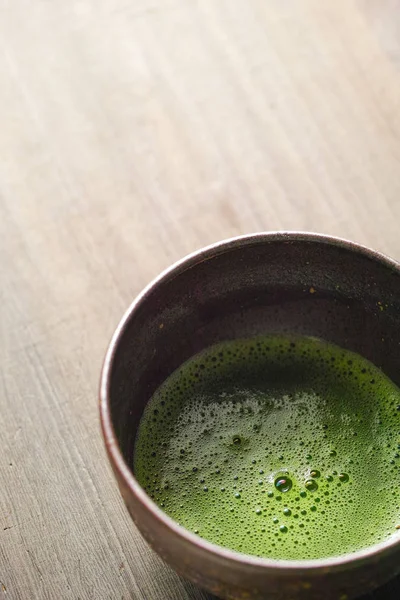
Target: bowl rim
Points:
x,y
278,566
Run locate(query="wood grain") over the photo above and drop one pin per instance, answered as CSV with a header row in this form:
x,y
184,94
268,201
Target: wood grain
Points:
x,y
130,134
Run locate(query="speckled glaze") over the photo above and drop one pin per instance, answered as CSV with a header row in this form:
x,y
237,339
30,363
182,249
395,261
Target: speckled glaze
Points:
x,y
258,284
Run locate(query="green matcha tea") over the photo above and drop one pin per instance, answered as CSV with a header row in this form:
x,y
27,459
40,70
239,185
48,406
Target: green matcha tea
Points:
x,y
287,448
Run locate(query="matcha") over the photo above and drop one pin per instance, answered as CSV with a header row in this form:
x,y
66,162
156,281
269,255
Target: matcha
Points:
x,y
280,447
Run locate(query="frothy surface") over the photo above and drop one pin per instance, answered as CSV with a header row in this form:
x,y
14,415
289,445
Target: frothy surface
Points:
x,y
286,448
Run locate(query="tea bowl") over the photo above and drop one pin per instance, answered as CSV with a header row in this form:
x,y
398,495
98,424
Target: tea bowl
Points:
x,y
278,282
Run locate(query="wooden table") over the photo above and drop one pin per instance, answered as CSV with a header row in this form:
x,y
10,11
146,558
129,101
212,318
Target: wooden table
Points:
x,y
132,133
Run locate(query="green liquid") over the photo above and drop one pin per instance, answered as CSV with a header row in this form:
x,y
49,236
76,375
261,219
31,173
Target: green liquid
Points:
x,y
287,448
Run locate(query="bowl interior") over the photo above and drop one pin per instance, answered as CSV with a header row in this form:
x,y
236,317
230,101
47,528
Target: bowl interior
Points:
x,y
281,283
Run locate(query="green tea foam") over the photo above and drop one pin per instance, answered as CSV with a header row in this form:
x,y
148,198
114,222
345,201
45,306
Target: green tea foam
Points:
x,y
281,447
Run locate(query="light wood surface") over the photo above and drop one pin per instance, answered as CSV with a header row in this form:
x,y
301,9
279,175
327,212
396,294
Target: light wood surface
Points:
x,y
130,134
